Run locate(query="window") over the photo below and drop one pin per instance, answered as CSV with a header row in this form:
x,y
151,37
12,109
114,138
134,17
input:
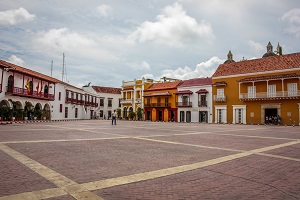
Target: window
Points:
x,y
60,107
220,93
109,103
166,101
271,90
66,112
109,114
203,100
76,112
59,96
292,89
101,102
251,91
219,116
158,101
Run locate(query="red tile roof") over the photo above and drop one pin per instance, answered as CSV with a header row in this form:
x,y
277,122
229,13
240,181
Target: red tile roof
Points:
x,y
272,77
196,82
164,86
16,68
272,63
184,92
110,90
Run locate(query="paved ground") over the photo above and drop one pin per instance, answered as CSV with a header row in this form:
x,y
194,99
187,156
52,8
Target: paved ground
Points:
x,y
148,160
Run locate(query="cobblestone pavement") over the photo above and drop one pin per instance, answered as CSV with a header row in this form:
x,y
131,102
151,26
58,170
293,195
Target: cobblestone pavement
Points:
x,y
91,159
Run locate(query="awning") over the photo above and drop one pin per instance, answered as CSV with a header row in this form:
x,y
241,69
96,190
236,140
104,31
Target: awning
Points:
x,y
184,92
202,91
221,83
157,94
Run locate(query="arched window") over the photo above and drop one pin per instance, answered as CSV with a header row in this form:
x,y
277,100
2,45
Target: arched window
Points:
x,y
46,91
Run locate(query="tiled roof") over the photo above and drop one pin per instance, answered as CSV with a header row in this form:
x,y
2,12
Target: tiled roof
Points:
x,y
288,61
184,92
158,94
196,82
110,90
271,77
164,86
16,68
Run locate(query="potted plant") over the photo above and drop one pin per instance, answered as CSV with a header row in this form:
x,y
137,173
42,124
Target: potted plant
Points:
x,y
131,115
43,114
139,114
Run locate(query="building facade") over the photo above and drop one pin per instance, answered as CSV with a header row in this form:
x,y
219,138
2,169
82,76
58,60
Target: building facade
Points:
x,y
160,101
132,96
194,100
251,91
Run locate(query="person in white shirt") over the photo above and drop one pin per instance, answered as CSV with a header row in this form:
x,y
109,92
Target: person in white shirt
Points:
x,y
114,118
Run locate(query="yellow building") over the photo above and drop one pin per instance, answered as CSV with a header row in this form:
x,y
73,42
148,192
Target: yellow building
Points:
x,y
160,101
132,95
258,91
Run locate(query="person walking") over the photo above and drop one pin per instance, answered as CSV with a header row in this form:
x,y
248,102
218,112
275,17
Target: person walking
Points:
x,y
114,118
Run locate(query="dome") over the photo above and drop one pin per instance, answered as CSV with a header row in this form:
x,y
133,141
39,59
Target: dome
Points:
x,y
268,54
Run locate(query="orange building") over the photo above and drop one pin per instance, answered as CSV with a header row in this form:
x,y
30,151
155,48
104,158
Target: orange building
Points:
x,y
258,91
160,101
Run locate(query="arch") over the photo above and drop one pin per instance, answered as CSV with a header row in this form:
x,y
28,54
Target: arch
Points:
x,y
46,111
10,83
6,103
17,105
125,112
38,106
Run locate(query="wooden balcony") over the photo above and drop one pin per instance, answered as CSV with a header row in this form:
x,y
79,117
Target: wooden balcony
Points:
x,y
158,105
219,98
202,103
270,96
33,94
184,104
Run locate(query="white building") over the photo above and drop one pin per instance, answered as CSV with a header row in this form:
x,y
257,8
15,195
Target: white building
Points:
x,y
195,100
109,100
26,94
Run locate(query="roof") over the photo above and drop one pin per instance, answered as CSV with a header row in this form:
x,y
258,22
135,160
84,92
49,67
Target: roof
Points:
x,y
164,86
271,77
110,90
16,68
22,70
184,92
196,82
158,94
272,63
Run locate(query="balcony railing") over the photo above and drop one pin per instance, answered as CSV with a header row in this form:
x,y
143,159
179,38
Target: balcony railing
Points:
x,y
202,103
270,95
184,104
24,92
123,100
219,98
156,105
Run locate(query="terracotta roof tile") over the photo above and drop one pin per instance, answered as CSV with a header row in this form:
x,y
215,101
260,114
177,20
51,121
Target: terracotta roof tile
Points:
x,y
164,86
288,61
110,90
196,82
16,68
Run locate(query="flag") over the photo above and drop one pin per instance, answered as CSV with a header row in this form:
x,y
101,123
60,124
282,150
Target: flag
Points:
x,y
27,86
40,92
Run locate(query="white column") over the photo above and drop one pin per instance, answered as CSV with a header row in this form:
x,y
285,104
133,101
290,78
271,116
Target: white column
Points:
x,y
233,116
282,87
239,90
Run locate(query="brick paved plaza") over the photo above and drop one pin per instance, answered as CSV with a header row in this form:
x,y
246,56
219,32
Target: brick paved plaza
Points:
x,y
91,159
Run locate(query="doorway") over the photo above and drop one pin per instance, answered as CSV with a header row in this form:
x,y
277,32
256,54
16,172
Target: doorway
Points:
x,y
181,116
160,115
203,116
188,116
270,112
148,115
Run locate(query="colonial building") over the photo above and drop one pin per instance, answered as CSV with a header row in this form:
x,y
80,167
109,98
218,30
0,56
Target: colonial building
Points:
x,y
132,96
194,101
249,91
160,101
26,94
108,100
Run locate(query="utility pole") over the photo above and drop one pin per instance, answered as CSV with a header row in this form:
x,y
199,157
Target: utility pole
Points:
x,y
51,67
63,68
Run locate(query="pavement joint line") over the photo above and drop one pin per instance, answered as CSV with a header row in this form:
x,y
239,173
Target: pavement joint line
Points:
x,y
64,183
96,185
277,156
36,195
186,144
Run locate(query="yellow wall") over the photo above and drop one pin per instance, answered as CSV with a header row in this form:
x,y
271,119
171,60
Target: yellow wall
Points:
x,y
231,91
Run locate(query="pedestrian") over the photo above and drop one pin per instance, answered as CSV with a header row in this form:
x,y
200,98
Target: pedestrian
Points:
x,y
267,119
278,119
114,118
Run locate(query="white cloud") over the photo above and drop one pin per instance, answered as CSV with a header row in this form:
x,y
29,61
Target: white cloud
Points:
x,y
173,28
140,66
203,69
293,19
103,10
16,60
15,16
63,39
257,46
